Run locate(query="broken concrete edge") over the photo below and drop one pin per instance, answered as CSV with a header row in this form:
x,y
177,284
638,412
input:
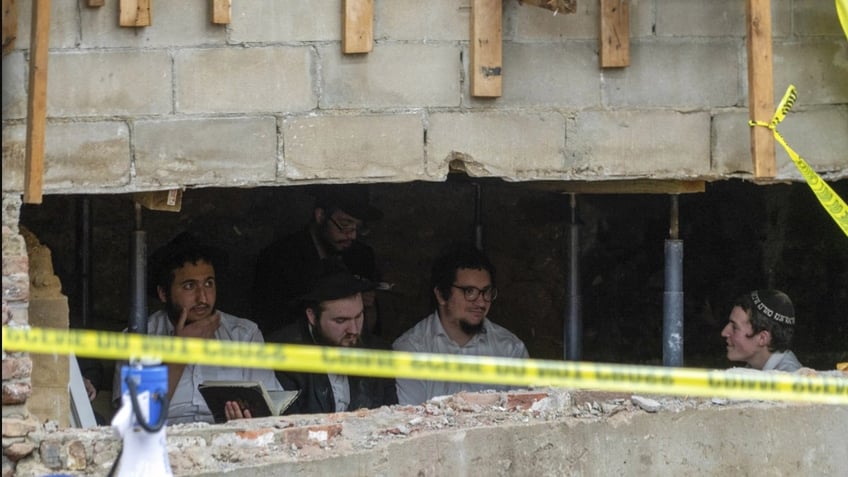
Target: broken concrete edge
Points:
x,y
199,448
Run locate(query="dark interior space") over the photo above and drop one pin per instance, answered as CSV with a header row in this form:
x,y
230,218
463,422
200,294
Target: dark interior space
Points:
x,y
737,236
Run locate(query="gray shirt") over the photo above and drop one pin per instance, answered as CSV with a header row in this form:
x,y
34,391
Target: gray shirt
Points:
x,y
785,361
429,336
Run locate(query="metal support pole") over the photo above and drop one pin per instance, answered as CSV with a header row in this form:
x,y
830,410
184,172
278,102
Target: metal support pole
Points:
x,y
673,295
84,261
138,282
573,329
478,218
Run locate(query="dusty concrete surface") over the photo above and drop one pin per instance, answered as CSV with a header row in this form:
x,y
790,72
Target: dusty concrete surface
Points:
x,y
533,433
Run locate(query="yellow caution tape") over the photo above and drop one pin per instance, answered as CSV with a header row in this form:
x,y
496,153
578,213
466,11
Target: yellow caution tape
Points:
x,y
829,389
842,13
830,200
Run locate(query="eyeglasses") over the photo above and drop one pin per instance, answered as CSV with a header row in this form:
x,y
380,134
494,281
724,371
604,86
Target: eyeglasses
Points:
x,y
358,229
472,293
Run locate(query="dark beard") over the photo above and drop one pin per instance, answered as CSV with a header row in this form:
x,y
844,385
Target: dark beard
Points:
x,y
470,329
175,311
321,339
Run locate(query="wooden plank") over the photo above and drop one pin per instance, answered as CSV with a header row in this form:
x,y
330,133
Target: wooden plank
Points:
x,y
135,13
486,48
633,186
615,33
760,86
10,25
37,102
168,200
96,3
358,29
222,12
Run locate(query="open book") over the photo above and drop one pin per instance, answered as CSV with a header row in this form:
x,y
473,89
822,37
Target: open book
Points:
x,y
251,395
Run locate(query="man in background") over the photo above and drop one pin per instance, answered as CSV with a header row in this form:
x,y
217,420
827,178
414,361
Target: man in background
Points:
x,y
286,268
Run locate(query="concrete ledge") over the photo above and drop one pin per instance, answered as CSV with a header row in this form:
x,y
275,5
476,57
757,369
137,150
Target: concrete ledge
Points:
x,y
541,432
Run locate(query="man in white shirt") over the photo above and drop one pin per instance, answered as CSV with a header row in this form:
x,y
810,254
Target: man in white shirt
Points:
x,y
184,274
463,282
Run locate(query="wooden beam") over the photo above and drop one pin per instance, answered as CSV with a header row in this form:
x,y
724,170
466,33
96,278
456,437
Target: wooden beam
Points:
x,y
96,3
10,25
37,102
222,12
135,13
633,186
760,86
615,33
358,30
486,48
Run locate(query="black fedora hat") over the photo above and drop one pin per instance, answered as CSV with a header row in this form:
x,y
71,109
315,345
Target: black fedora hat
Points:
x,y
352,199
337,284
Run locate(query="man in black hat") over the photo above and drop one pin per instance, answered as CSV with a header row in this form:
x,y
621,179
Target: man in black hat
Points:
x,y
333,316
285,268
759,331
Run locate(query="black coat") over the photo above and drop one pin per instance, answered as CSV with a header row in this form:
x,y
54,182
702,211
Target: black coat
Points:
x,y
286,270
316,393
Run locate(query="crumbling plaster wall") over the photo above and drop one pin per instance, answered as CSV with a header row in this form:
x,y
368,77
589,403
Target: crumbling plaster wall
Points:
x,y
271,100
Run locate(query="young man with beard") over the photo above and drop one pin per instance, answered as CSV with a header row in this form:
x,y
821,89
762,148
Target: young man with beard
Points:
x,y
286,268
463,282
333,316
184,273
759,331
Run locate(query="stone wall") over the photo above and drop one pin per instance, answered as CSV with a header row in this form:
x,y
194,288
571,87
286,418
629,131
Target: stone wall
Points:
x,y
270,99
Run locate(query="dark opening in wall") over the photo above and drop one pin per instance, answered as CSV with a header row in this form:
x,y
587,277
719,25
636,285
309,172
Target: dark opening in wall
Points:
x,y
737,236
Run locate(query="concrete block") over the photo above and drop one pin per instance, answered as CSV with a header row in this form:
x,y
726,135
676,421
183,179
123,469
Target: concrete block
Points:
x,y
817,19
496,143
51,370
821,130
680,18
64,25
388,147
529,23
14,86
414,20
49,312
172,24
653,144
393,75
224,152
817,69
537,75
655,77
256,21
77,156
227,80
106,83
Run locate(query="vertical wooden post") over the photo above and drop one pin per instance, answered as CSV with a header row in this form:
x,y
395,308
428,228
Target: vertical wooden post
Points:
x,y
760,86
486,62
615,33
135,13
37,102
358,34
222,12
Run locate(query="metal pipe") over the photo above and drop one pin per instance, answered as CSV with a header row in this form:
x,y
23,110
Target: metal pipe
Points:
x,y
84,261
573,327
478,218
138,282
673,295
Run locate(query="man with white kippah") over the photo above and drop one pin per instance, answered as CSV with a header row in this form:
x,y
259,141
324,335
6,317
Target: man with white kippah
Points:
x,y
759,331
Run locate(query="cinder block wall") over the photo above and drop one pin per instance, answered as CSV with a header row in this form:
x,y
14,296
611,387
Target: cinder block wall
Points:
x,y
270,98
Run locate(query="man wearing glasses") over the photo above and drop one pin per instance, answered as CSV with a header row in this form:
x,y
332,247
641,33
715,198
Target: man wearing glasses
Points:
x,y
286,269
463,282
